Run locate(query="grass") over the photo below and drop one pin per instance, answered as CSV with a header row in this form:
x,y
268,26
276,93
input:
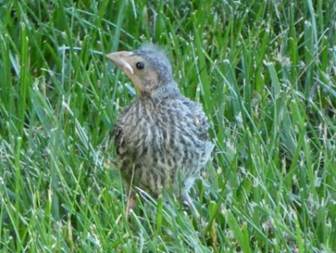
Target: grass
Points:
x,y
264,72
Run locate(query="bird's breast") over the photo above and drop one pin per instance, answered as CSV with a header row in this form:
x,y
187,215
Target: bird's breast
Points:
x,y
161,135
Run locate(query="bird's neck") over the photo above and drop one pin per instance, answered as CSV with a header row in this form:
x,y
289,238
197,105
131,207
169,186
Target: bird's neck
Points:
x,y
149,102
169,90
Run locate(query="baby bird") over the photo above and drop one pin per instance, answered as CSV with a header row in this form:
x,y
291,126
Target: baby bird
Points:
x,y
161,138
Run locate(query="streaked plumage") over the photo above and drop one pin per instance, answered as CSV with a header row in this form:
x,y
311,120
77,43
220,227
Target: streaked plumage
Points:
x,y
162,137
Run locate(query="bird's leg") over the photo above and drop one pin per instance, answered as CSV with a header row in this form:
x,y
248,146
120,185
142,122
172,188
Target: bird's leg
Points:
x,y
131,199
187,200
131,202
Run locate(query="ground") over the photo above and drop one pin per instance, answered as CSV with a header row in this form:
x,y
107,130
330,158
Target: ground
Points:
x,y
264,72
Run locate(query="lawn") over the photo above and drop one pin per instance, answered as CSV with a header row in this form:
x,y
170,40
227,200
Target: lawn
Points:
x,y
265,73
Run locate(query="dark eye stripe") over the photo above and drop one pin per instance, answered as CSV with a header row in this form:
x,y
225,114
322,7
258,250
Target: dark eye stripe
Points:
x,y
140,65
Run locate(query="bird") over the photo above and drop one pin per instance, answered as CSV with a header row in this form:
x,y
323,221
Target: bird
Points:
x,y
161,138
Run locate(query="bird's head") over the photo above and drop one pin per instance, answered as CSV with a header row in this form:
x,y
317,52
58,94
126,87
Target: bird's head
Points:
x,y
148,67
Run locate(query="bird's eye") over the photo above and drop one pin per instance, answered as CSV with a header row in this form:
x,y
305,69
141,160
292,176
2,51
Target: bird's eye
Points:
x,y
140,65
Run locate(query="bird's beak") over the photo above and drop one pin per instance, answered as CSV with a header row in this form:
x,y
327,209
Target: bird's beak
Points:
x,y
121,59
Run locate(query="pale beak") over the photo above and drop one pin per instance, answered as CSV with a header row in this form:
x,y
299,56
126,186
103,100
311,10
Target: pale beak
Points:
x,y
121,59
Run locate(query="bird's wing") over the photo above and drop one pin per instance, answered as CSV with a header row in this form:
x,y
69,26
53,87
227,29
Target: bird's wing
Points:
x,y
199,118
119,134
118,137
202,123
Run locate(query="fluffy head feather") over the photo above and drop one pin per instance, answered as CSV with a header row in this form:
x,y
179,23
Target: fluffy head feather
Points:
x,y
158,60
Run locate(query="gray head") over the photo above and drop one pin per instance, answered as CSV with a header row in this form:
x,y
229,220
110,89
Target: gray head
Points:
x,y
148,67
157,60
